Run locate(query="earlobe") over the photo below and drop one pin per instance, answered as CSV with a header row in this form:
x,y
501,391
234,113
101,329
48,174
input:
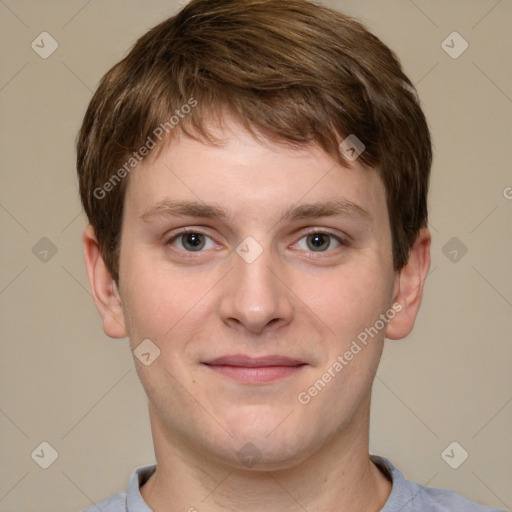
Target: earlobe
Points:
x,y
104,289
409,287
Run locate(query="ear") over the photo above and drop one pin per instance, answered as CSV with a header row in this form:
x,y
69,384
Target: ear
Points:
x,y
104,289
408,290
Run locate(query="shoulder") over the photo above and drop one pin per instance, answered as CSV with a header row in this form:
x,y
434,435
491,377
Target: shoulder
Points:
x,y
131,500
116,503
447,501
432,499
407,496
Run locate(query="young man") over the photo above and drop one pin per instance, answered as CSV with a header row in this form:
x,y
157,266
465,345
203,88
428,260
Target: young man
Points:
x,y
255,175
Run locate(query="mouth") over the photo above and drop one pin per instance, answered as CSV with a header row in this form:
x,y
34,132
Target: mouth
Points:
x,y
255,370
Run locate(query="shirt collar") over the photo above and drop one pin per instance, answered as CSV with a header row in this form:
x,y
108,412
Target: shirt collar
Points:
x,y
134,500
399,490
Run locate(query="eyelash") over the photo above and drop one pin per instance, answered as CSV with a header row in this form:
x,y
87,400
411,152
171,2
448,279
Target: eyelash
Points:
x,y
194,254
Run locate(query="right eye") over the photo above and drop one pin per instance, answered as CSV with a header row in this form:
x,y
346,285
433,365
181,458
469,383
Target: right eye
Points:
x,y
190,241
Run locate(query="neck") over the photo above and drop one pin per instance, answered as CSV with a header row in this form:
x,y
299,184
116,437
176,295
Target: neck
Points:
x,y
338,477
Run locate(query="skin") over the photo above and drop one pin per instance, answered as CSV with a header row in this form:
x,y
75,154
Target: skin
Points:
x,y
294,300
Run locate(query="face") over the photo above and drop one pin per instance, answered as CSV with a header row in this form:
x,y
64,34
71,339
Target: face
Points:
x,y
255,269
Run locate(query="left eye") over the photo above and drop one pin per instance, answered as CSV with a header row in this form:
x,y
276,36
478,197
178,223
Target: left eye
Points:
x,y
318,242
191,241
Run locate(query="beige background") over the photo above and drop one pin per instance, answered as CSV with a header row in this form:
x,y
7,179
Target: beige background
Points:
x,y
64,382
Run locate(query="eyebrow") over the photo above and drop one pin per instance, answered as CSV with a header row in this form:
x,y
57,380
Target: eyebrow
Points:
x,y
341,207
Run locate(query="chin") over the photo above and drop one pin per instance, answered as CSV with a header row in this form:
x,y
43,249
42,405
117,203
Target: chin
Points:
x,y
263,454
269,446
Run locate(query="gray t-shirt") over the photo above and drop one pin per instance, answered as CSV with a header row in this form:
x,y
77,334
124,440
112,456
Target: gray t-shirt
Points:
x,y
405,496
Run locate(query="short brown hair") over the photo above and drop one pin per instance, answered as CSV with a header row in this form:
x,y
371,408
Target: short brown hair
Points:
x,y
290,70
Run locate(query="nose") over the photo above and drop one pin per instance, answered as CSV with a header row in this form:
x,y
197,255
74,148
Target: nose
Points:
x,y
254,297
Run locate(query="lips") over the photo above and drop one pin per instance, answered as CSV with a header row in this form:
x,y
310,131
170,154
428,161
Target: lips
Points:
x,y
254,362
255,370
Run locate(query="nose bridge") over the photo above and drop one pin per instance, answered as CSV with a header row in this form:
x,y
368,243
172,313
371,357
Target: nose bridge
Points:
x,y
255,296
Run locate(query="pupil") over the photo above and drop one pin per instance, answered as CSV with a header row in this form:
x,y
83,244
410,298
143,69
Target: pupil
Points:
x,y
194,241
318,241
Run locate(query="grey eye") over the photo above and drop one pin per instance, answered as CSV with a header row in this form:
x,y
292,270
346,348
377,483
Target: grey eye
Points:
x,y
193,241
318,241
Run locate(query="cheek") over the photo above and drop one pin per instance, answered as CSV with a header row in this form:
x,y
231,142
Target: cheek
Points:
x,y
347,299
159,302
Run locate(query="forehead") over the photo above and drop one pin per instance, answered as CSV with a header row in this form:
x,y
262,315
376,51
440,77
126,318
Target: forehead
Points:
x,y
241,177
